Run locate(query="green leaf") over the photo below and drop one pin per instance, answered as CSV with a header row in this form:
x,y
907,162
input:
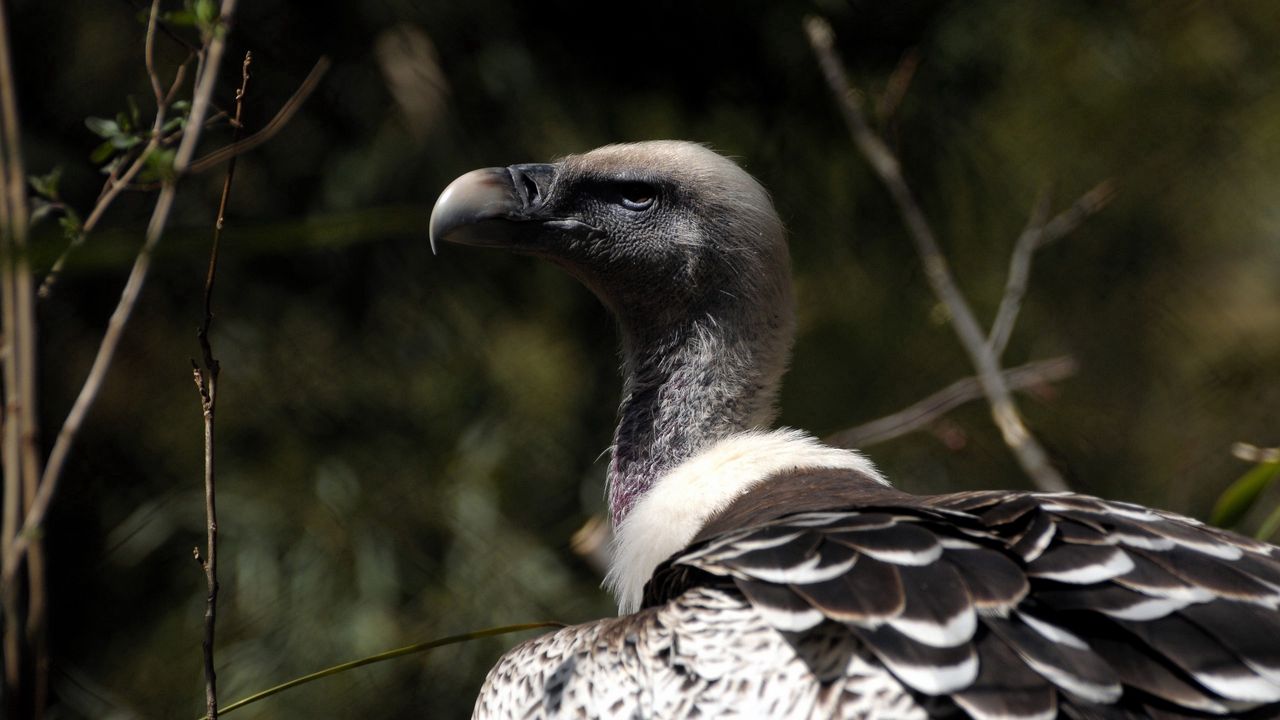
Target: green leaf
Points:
x,y
173,124
159,165
1241,495
1268,528
112,166
180,18
102,152
102,127
47,185
124,142
181,106
71,223
40,208
206,11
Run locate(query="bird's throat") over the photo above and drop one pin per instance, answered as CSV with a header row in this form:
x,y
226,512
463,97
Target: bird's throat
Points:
x,y
685,389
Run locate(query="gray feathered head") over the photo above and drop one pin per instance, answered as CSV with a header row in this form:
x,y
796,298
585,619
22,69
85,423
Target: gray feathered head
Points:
x,y
663,232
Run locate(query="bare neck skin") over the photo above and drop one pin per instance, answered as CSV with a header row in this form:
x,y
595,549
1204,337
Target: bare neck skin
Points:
x,y
689,384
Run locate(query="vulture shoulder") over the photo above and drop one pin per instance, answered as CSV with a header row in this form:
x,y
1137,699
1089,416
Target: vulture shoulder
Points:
x,y
983,604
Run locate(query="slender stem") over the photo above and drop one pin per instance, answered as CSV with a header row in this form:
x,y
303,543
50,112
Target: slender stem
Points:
x,y
21,431
207,385
922,413
1019,273
148,56
1039,232
382,657
1031,456
282,117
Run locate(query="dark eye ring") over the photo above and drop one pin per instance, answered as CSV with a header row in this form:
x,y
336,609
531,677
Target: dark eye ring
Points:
x,y
636,196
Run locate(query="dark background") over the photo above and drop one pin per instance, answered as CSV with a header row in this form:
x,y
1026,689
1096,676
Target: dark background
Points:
x,y
408,442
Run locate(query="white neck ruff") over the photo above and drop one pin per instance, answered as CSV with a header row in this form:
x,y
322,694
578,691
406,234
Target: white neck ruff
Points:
x,y
681,502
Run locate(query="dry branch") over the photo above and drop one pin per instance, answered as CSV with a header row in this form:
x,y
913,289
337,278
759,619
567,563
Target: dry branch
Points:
x,y
28,652
1036,235
206,379
239,147
1031,456
926,411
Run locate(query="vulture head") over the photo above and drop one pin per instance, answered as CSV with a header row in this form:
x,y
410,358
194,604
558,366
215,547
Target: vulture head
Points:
x,y
665,233
685,249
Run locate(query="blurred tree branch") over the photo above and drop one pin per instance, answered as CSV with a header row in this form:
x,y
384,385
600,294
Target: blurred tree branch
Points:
x,y
926,411
981,350
1036,235
24,654
282,118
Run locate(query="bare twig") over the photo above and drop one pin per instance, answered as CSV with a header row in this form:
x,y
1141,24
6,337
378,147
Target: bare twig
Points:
x,y
921,414
206,75
1036,235
1019,272
148,55
269,130
1065,222
1031,456
206,379
896,89
21,442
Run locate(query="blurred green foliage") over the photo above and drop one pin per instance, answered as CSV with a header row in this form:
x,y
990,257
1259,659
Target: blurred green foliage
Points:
x,y
407,442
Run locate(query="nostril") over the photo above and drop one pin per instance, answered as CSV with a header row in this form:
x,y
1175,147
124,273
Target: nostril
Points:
x,y
532,195
526,187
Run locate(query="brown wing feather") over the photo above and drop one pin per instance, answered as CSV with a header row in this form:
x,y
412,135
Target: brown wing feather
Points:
x,y
1002,604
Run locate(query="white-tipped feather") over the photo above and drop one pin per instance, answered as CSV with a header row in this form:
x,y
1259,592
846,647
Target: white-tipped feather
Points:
x,y
935,679
1116,564
956,629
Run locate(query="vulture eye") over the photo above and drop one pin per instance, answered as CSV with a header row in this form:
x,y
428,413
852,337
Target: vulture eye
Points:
x,y
636,196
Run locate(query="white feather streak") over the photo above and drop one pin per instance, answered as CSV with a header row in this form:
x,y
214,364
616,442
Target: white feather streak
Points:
x,y
935,679
949,633
680,502
1118,564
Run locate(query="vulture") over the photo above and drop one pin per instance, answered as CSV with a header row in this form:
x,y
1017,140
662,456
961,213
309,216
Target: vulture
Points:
x,y
761,573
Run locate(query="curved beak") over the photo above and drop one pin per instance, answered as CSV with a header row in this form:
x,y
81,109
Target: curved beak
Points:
x,y
487,207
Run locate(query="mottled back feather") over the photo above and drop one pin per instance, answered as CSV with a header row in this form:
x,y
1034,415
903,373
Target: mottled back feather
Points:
x,y
1004,605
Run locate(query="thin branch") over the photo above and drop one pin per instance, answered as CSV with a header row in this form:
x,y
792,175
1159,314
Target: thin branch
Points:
x,y
114,185
924,412
1031,456
148,56
1036,235
270,129
21,422
896,89
1019,272
206,76
1089,204
389,655
206,379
